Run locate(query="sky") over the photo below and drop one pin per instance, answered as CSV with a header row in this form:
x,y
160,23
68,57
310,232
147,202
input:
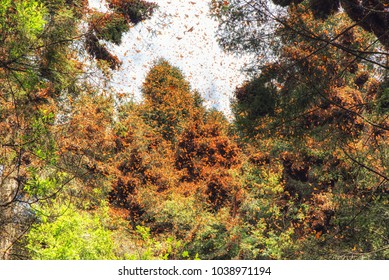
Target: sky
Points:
x,y
182,32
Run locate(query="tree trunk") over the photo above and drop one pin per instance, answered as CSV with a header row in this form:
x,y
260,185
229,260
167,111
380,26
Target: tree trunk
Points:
x,y
8,230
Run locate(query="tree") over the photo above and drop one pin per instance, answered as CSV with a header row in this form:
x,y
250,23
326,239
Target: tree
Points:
x,y
249,25
169,103
146,139
72,235
318,100
372,16
41,73
177,166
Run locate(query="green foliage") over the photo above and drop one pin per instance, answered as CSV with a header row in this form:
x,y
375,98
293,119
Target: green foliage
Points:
x,y
383,99
21,24
135,10
23,19
150,248
176,215
44,149
30,17
211,242
254,100
109,27
42,188
66,233
270,218
264,243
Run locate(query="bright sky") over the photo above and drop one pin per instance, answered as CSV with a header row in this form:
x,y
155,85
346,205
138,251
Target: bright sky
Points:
x,y
182,32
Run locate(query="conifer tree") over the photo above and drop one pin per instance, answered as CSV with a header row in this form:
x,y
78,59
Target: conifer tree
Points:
x,y
41,74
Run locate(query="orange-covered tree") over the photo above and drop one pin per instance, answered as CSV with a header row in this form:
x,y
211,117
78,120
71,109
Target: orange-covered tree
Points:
x,y
176,162
317,108
44,146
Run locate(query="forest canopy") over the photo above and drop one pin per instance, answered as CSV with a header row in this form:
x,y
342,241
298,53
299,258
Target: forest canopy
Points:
x,y
300,171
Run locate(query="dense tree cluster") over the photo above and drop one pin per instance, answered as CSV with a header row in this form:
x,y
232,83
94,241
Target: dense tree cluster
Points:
x,y
300,173
320,101
54,126
370,15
